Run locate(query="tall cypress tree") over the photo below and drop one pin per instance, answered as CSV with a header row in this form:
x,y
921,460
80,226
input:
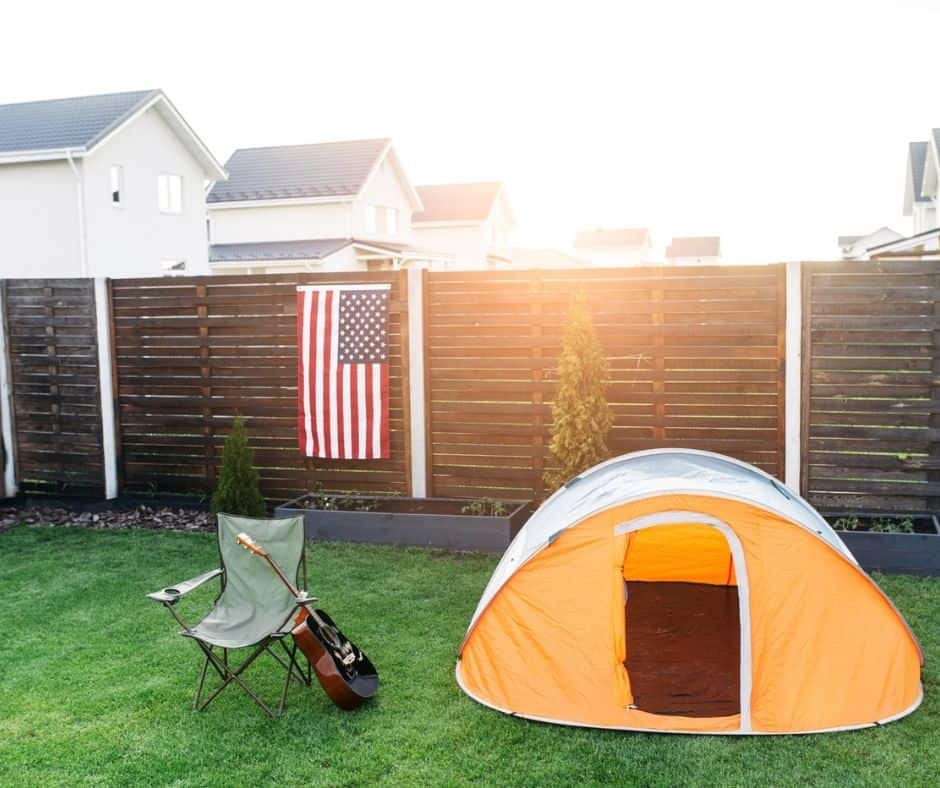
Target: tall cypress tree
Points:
x,y
238,491
581,417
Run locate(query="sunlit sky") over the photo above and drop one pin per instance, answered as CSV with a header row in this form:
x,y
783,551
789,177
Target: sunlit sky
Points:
x,y
775,125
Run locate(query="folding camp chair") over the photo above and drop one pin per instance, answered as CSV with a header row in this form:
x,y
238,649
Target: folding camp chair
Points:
x,y
254,609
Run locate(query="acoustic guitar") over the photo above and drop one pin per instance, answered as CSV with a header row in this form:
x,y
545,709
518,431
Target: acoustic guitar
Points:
x,y
344,672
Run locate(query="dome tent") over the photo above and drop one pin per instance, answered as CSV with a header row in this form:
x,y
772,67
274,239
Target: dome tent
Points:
x,y
683,591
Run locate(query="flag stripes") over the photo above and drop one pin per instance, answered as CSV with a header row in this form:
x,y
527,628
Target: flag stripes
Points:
x,y
342,407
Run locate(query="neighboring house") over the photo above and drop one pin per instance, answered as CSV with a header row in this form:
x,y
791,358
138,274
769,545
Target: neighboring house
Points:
x,y
545,258
471,221
926,243
921,206
614,247
336,206
694,250
921,194
110,185
856,247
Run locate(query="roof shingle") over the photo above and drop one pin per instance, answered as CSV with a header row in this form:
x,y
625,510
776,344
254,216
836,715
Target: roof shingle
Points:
x,y
918,160
65,123
319,170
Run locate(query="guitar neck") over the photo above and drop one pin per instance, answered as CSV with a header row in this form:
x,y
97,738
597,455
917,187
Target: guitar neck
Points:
x,y
277,570
294,590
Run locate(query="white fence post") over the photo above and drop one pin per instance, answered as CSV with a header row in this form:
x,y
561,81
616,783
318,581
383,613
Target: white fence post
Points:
x,y
6,405
105,385
794,370
416,373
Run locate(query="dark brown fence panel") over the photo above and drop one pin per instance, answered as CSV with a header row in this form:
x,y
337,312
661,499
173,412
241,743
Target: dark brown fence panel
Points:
x,y
871,410
54,364
696,359
194,351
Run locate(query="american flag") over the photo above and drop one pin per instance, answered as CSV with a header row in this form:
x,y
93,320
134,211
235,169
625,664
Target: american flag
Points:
x,y
342,371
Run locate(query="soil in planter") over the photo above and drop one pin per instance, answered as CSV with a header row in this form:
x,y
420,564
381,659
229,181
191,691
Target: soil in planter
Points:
x,y
889,524
393,505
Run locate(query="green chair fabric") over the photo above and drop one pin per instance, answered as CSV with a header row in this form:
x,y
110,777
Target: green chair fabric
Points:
x,y
254,609
254,602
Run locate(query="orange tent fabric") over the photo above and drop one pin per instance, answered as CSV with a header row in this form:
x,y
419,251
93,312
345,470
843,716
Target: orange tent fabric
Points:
x,y
822,648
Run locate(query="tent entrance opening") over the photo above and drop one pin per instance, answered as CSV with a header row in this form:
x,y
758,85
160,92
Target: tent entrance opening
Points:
x,y
682,619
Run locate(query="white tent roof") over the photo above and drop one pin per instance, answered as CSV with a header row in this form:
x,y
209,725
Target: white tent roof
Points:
x,y
647,474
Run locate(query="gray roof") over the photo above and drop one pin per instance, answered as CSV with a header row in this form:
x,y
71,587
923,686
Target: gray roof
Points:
x,y
277,250
313,249
456,202
918,160
66,123
848,240
694,246
319,170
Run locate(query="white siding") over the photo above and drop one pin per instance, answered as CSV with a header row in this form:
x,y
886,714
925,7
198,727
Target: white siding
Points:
x,y
133,240
467,243
280,223
39,221
385,190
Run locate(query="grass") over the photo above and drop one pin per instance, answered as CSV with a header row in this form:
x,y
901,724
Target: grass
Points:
x,y
95,686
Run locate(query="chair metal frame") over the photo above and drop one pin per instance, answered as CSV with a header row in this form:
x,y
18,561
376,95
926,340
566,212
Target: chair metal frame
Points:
x,y
227,673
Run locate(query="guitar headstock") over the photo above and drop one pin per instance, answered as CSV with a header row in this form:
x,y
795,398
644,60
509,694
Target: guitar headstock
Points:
x,y
251,545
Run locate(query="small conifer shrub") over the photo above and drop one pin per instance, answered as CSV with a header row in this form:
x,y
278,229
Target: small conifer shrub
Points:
x,y
238,491
581,417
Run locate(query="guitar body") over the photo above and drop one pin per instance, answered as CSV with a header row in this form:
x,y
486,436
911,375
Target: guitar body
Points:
x,y
348,687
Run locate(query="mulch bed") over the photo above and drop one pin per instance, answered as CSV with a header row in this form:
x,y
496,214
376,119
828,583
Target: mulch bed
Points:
x,y
115,516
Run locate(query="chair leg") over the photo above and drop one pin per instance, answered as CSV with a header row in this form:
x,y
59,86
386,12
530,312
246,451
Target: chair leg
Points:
x,y
292,664
202,681
228,675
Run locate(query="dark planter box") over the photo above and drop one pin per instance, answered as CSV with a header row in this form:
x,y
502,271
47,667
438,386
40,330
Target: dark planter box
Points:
x,y
897,554
420,527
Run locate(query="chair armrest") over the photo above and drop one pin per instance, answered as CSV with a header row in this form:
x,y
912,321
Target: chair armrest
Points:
x,y
171,594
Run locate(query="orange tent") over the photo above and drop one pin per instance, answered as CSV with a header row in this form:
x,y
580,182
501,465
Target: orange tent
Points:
x,y
683,591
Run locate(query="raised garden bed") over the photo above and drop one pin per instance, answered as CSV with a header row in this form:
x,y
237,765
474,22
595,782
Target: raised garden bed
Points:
x,y
450,523
907,543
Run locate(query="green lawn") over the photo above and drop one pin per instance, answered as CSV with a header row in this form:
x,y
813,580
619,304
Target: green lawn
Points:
x,y
95,686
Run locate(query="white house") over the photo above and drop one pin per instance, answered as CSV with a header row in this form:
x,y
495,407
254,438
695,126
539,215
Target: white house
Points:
x,y
694,250
110,185
920,203
856,247
336,206
471,221
921,194
626,246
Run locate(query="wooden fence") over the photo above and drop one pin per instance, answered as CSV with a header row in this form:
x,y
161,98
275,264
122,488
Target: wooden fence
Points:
x,y
871,385
696,360
192,352
52,341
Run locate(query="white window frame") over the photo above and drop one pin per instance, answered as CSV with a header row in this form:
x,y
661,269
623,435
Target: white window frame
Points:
x,y
372,219
116,173
165,193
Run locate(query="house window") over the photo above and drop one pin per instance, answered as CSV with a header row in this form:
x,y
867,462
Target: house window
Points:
x,y
117,185
170,192
391,221
173,266
371,219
